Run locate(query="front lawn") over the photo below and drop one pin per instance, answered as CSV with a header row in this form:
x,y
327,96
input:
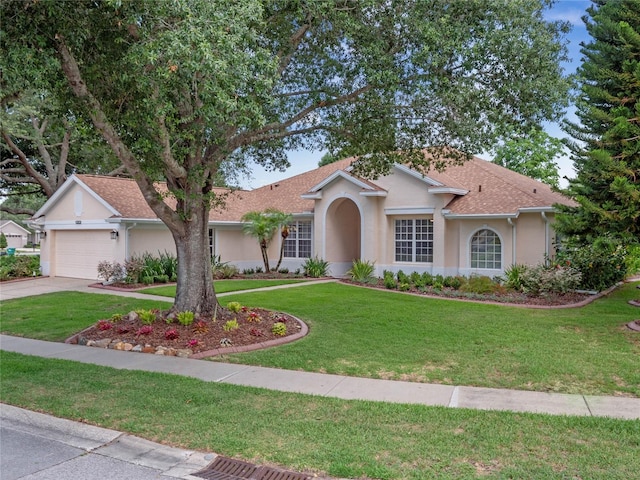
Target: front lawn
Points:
x,y
342,439
57,316
372,333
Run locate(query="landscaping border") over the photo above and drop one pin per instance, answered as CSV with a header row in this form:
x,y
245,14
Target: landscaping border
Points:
x,y
304,330
582,303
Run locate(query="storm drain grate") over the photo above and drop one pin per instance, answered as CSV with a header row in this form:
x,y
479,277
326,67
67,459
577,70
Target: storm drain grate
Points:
x,y
223,468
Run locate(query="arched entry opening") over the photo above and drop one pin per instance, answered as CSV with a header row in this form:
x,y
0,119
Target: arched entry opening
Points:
x,y
342,235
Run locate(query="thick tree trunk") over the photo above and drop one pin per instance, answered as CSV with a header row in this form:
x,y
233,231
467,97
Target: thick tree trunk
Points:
x,y
195,291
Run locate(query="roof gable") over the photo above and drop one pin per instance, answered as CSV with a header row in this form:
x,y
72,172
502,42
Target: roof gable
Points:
x,y
5,224
72,181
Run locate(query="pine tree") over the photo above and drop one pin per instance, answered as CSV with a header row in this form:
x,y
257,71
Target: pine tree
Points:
x,y
606,150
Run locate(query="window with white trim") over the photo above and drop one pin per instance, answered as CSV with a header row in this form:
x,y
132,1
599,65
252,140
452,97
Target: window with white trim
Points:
x,y
486,250
414,240
298,243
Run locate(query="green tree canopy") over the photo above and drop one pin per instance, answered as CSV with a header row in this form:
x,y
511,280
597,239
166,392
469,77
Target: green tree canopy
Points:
x,y
606,151
327,159
532,154
41,142
186,88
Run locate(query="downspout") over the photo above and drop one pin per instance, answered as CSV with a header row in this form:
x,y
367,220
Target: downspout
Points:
x,y
546,235
126,241
513,241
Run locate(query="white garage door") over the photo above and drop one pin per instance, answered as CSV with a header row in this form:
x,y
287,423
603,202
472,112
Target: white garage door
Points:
x,y
78,252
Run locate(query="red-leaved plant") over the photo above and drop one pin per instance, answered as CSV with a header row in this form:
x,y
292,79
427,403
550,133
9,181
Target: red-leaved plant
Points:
x,y
171,334
145,330
104,325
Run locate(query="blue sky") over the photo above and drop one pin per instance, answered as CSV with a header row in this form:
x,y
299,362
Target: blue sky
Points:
x,y
568,10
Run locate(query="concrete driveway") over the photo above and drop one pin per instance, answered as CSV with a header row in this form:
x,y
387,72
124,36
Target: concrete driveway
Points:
x,y
40,285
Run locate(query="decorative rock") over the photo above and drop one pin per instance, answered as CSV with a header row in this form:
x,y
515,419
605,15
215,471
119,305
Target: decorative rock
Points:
x,y
148,349
127,347
104,343
133,316
82,341
171,317
118,346
91,343
137,348
184,352
169,352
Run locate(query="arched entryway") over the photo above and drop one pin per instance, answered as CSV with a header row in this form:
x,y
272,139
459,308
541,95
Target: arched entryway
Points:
x,y
342,235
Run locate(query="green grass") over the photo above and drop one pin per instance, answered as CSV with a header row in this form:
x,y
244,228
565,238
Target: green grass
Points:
x,y
333,437
57,316
379,334
222,286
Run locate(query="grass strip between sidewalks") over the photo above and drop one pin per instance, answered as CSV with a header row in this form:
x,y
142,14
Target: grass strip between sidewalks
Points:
x,y
339,438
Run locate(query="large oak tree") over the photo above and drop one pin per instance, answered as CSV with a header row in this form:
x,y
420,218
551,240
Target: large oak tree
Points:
x,y
185,88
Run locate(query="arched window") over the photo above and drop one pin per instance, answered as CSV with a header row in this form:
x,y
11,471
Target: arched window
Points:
x,y
486,250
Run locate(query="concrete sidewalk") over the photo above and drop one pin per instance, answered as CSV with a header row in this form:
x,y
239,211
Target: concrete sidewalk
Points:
x,y
75,451
336,386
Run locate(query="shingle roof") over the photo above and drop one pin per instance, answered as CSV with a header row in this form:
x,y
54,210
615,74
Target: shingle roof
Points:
x,y
492,190
495,190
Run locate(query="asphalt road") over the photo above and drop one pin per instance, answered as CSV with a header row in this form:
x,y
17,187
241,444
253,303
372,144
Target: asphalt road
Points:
x,y
34,446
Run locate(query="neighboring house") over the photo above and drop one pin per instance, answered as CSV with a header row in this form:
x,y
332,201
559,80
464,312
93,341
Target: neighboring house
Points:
x,y
17,236
474,218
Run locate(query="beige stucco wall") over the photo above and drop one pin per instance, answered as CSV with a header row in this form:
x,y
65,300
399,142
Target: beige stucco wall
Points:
x,y
534,238
153,239
77,204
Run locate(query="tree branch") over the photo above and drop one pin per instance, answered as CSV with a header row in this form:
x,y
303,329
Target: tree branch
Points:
x,y
17,211
32,172
294,42
276,129
101,122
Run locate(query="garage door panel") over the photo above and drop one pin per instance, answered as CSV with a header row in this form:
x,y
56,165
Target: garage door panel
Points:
x,y
79,252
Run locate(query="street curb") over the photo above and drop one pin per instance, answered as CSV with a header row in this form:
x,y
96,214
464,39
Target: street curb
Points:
x,y
172,462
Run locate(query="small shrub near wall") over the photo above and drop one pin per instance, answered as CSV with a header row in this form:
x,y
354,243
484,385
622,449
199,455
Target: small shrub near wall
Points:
x,y
145,268
601,264
315,267
12,267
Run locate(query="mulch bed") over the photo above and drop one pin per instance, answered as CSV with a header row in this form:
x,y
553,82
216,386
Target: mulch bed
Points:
x,y
570,299
204,337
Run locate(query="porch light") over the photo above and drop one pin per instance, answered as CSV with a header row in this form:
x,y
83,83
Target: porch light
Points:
x,y
114,234
43,234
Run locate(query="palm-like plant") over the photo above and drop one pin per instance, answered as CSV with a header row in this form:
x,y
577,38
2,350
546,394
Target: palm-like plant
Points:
x,y
263,226
260,226
281,221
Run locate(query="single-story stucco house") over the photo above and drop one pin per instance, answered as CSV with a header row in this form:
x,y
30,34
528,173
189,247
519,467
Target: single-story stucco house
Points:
x,y
477,217
16,235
